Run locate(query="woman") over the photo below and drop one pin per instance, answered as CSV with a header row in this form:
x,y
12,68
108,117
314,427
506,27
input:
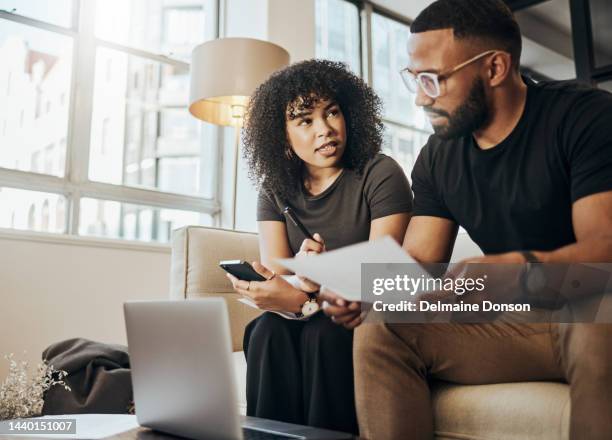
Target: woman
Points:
x,y
312,141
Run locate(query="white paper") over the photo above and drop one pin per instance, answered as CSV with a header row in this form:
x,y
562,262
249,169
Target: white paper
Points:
x,y
340,270
286,315
91,426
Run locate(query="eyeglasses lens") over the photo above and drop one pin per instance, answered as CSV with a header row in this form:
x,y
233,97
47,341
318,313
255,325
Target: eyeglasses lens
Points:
x,y
429,85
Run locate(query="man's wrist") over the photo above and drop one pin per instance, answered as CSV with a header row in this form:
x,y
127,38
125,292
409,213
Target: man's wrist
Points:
x,y
534,256
543,257
529,257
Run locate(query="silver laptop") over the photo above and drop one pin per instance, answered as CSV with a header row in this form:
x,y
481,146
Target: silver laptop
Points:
x,y
183,376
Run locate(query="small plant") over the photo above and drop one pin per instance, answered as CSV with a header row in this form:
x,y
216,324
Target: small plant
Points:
x,y
21,396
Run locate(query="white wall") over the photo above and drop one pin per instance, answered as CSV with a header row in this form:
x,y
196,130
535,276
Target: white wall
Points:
x,y
55,288
291,24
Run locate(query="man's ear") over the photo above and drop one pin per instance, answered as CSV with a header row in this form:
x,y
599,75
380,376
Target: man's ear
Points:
x,y
499,68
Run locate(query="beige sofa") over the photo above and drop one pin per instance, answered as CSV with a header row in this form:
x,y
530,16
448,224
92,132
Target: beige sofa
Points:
x,y
527,410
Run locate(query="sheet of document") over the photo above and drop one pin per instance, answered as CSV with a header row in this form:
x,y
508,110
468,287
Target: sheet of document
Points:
x,y
286,315
340,270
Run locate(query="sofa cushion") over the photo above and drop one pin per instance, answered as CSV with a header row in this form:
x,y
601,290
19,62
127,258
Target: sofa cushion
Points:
x,y
524,410
195,271
196,252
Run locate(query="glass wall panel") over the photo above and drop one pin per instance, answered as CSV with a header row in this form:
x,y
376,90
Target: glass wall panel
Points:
x,y
389,56
337,32
168,27
106,218
57,12
35,84
33,210
142,133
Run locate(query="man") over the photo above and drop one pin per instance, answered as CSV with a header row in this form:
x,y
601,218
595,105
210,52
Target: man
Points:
x,y
526,169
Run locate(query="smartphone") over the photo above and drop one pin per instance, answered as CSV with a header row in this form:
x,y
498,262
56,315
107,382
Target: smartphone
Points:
x,y
241,270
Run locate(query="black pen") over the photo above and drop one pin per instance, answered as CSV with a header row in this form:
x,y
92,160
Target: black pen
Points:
x,y
296,221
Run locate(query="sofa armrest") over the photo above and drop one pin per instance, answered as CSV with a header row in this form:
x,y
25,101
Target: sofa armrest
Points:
x,y
195,271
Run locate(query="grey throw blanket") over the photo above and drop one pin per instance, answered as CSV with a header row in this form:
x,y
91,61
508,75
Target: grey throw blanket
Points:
x,y
98,375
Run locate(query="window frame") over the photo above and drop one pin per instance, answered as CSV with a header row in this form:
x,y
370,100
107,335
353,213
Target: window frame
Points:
x,y
75,183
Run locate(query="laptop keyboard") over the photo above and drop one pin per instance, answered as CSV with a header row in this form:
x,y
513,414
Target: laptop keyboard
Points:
x,y
251,434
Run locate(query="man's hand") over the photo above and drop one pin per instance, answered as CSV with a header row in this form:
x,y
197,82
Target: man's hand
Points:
x,y
274,294
310,247
341,311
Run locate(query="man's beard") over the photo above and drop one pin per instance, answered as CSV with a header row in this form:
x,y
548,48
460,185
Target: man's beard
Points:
x,y
471,115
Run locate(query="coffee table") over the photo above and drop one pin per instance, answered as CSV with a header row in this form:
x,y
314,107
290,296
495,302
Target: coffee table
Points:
x,y
125,427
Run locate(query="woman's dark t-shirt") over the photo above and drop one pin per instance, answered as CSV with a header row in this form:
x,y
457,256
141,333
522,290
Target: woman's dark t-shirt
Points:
x,y
519,194
343,212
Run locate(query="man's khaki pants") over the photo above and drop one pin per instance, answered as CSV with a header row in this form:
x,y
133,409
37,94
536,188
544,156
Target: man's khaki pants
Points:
x,y
393,363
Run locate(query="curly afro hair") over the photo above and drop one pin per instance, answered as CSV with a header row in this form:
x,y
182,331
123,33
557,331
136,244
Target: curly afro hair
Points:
x,y
300,86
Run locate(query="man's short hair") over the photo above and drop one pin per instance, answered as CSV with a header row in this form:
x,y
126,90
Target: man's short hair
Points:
x,y
481,20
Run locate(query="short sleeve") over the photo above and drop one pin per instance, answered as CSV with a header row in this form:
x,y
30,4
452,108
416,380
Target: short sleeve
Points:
x,y
387,190
588,142
267,209
427,200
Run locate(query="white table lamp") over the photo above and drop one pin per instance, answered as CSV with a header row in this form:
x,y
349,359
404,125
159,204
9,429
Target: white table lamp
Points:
x,y
224,74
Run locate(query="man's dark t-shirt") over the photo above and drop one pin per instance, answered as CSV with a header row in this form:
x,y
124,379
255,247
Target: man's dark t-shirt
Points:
x,y
518,195
343,212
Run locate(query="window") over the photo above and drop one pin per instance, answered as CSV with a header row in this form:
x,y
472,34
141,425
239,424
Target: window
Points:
x,y
106,218
36,69
118,156
33,210
165,27
404,144
337,32
389,56
126,136
58,12
406,125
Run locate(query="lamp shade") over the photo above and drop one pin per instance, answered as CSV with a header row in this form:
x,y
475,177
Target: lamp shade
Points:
x,y
224,74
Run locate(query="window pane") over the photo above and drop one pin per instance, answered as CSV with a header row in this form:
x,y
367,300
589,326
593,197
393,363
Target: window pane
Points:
x,y
601,19
168,27
57,12
105,218
32,210
404,145
35,76
337,32
141,133
389,56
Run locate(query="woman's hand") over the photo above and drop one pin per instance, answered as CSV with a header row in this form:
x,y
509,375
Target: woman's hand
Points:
x,y
274,294
310,247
